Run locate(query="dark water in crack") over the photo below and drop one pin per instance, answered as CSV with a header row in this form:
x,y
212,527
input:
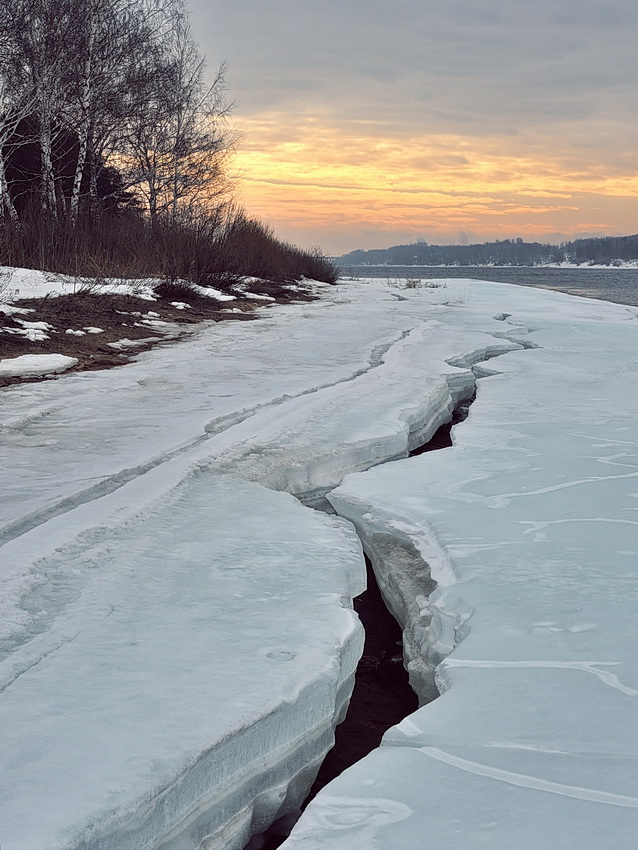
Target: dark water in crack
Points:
x,y
382,696
443,437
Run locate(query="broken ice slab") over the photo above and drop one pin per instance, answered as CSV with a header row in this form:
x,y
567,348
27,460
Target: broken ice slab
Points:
x,y
474,798
528,525
161,682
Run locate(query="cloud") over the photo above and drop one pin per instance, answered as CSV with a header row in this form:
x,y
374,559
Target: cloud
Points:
x,y
365,103
459,62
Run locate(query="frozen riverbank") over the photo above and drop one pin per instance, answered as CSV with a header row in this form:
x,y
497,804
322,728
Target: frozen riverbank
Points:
x,y
168,458
163,680
528,527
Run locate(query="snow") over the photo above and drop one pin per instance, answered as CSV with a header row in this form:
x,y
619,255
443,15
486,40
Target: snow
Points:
x,y
124,708
528,524
149,568
254,296
12,309
35,364
86,330
19,284
34,331
210,292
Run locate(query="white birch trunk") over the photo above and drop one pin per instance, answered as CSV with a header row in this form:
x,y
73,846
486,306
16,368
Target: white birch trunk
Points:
x,y
49,203
6,204
85,124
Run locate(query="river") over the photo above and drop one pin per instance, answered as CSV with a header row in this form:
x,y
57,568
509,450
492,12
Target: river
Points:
x,y
614,284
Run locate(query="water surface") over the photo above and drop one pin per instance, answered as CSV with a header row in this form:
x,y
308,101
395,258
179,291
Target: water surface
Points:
x,y
615,284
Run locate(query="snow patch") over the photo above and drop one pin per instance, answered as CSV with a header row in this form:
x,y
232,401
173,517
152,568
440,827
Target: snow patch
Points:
x,y
35,364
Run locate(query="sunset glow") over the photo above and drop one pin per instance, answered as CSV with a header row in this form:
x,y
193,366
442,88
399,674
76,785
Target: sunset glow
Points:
x,y
363,128
311,178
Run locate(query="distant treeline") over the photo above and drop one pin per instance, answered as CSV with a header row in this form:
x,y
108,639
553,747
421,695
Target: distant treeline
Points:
x,y
606,250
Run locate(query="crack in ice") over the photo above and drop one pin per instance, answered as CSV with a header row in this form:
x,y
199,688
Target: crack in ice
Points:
x,y
605,676
502,500
523,780
114,482
536,526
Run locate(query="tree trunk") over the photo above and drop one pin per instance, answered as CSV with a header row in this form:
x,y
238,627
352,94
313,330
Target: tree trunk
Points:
x,y
79,170
85,124
93,175
49,203
6,202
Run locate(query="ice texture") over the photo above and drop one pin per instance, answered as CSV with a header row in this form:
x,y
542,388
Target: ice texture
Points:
x,y
526,533
140,706
177,638
160,681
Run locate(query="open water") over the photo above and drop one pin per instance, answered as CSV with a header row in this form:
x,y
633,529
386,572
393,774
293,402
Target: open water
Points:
x,y
615,284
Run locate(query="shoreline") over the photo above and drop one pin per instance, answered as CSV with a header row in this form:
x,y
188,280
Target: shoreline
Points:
x,y
102,330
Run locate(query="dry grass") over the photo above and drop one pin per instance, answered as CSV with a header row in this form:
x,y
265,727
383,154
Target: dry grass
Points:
x,y
213,249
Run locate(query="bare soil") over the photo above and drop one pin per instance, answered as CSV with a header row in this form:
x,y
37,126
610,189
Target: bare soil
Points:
x,y
121,317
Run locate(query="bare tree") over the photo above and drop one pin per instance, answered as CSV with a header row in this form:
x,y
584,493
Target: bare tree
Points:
x,y
179,138
113,38
43,46
15,102
115,84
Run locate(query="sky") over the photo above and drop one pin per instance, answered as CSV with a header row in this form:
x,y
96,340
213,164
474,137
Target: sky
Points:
x,y
370,123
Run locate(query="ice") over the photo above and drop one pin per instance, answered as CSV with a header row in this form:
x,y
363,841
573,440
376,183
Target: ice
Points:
x,y
178,648
529,526
413,798
150,699
296,400
158,682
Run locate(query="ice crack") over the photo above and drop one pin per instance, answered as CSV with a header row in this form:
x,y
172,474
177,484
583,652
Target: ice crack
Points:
x,y
523,780
217,426
605,676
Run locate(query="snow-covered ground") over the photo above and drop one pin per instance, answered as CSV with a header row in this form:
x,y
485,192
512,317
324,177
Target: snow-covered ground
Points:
x,y
177,639
530,529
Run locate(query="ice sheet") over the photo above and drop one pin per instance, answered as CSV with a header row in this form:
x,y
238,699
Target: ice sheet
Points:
x,y
161,682
305,378
98,466
529,525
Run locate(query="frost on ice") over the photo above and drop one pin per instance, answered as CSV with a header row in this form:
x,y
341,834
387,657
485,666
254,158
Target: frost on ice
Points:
x,y
152,684
178,639
533,642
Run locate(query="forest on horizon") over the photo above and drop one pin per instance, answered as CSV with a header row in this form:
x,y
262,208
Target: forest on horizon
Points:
x,y
605,250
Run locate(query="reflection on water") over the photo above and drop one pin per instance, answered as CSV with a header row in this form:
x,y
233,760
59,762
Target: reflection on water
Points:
x,y
619,285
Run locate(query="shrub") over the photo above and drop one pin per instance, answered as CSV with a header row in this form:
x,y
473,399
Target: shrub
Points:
x,y
215,248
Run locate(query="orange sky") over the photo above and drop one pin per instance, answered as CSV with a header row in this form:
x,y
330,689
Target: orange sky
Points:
x,y
368,126
332,186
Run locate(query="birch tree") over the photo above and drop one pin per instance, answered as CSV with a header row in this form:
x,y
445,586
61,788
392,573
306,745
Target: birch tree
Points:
x,y
42,44
15,102
110,83
114,39
178,140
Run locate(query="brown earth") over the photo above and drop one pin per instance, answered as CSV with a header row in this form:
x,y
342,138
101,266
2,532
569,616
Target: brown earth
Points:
x,y
122,317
